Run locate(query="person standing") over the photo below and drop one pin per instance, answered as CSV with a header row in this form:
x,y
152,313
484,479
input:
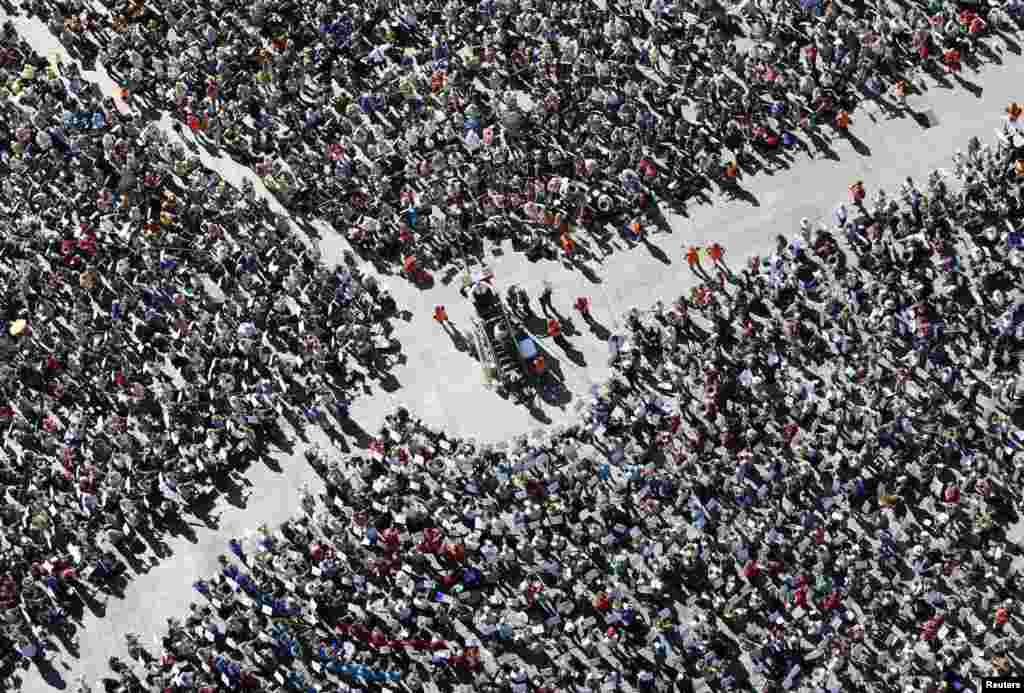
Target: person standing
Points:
x,y
857,193
716,253
554,328
900,90
693,260
843,121
582,305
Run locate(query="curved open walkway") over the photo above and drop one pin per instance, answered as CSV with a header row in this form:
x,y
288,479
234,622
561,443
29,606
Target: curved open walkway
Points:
x,y
443,385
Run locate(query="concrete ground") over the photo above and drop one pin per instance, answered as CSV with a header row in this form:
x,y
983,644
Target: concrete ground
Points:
x,y
444,386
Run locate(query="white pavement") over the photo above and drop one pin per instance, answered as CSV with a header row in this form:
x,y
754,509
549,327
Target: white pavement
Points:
x,y
444,386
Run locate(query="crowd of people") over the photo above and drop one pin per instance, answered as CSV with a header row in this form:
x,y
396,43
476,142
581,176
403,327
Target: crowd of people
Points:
x,y
801,477
157,330
801,471
417,129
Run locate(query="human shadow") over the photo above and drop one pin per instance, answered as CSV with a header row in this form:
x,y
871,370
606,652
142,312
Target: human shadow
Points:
x,y
659,219
976,89
274,436
49,673
737,192
65,636
353,430
536,412
533,323
297,424
337,439
389,383
571,352
602,240
459,340
921,119
990,55
589,273
1011,44
774,162
203,508
128,550
822,147
800,144
858,144
656,252
179,527
88,602
941,79
159,548
889,109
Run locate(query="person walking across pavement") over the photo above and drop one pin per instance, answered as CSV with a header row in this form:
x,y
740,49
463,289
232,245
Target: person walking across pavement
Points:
x,y
441,316
716,252
582,306
693,259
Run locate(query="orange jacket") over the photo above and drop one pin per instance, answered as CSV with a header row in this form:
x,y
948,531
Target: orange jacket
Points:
x,y
693,257
455,552
440,314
